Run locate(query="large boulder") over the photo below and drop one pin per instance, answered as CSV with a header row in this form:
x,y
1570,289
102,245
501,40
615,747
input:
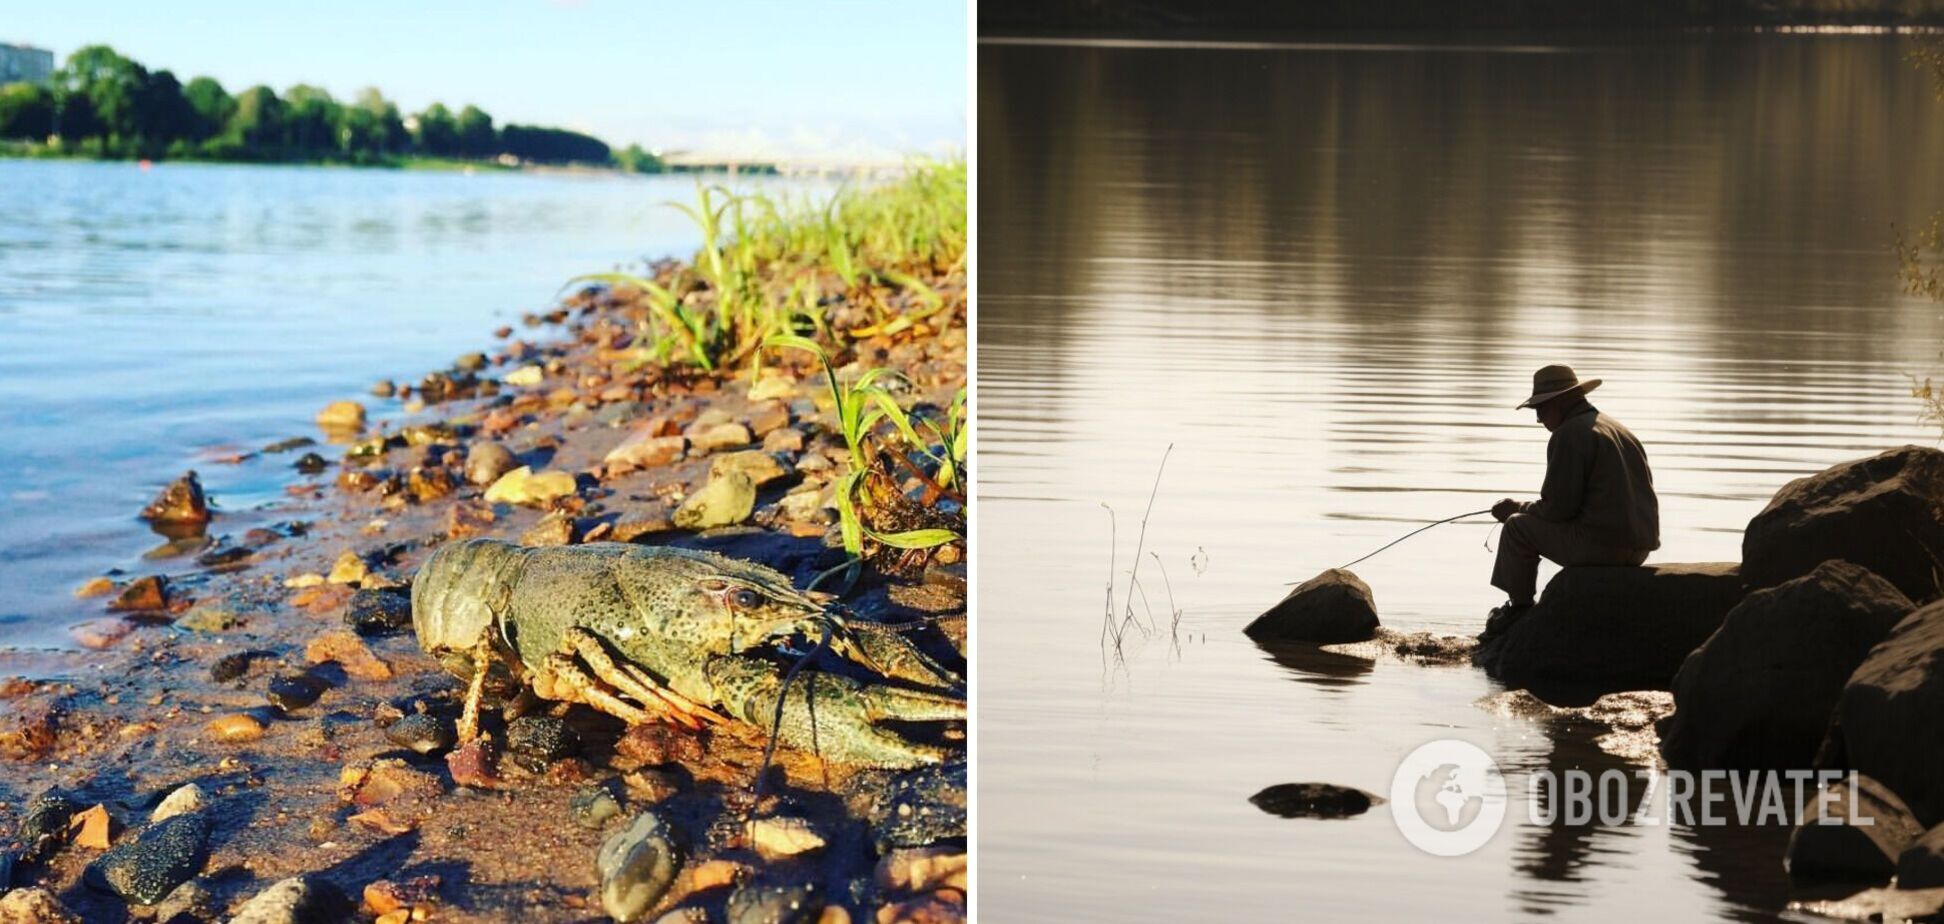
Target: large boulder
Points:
x,y
1330,608
1889,722
1599,630
1855,829
1885,513
1758,694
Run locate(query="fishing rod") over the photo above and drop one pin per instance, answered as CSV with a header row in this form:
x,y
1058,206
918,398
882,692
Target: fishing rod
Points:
x,y
1416,531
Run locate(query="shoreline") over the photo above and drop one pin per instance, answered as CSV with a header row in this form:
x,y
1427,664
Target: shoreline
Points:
x,y
168,695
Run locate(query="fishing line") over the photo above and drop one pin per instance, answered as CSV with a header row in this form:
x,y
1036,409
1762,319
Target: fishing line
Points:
x,y
1419,530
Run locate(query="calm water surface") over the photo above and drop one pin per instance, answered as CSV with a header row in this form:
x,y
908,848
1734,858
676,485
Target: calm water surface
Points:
x,y
1325,275
153,320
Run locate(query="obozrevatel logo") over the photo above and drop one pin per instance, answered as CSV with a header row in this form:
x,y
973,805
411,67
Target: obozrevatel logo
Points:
x,y
1448,797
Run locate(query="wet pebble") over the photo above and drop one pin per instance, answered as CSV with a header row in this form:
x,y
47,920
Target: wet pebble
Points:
x,y
378,612
592,807
486,461
190,901
384,388
421,732
144,869
143,594
235,729
181,503
44,824
310,463
186,798
291,692
637,865
538,740
757,903
297,900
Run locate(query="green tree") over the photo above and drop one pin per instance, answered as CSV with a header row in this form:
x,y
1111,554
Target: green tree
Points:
x,y
310,119
112,85
162,114
435,132
477,137
211,105
393,138
258,123
26,111
635,160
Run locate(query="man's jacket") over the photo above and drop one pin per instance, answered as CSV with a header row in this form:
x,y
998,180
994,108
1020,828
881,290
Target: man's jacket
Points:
x,y
1597,477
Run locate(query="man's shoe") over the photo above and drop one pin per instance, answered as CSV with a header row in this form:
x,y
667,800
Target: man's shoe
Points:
x,y
1501,619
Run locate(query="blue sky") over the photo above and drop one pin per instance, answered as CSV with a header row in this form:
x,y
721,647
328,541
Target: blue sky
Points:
x,y
740,76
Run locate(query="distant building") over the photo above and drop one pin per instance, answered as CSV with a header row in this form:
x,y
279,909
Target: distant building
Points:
x,y
25,63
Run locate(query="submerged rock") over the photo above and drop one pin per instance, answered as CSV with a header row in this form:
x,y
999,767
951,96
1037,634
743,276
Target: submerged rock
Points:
x,y
637,865
1332,607
144,869
1758,694
1853,830
180,504
1314,800
1885,720
1598,629
1885,513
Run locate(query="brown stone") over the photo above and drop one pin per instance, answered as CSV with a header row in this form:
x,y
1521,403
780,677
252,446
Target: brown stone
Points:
x,y
144,594
654,745
350,652
102,633
474,765
705,439
468,518
181,503
641,451
630,530
235,729
95,587
92,828
552,529
922,869
29,731
766,417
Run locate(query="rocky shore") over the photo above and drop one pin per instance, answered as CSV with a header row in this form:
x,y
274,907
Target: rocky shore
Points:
x,y
1821,651
250,732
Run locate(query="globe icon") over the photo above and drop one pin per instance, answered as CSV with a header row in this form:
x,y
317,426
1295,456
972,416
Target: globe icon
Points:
x,y
1449,798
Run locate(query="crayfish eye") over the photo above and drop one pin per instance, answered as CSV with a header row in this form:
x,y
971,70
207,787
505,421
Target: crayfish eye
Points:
x,y
747,599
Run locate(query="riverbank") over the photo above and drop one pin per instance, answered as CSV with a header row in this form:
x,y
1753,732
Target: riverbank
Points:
x,y
202,672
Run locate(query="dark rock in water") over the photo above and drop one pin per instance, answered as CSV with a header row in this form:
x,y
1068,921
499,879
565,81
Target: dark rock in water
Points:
x,y
1314,800
181,503
637,865
1886,720
1330,608
310,463
291,692
236,664
592,807
295,442
1921,865
1885,513
538,740
1852,830
379,612
919,807
422,733
756,903
144,869
1757,695
298,900
1600,630
43,827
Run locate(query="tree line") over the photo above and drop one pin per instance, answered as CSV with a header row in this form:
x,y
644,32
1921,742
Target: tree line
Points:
x,y
102,104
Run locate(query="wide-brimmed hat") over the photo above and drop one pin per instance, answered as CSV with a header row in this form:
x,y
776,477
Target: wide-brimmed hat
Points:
x,y
1552,381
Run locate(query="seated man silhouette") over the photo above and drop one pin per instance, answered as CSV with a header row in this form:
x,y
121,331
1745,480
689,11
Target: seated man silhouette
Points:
x,y
1597,506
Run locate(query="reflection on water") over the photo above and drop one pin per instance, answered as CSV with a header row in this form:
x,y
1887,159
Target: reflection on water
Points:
x,y
1326,274
153,321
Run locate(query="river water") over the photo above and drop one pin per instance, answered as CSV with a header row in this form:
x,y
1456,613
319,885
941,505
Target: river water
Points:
x,y
154,320
1324,274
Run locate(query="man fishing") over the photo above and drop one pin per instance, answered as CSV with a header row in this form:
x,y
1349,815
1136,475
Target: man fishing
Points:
x,y
1597,506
